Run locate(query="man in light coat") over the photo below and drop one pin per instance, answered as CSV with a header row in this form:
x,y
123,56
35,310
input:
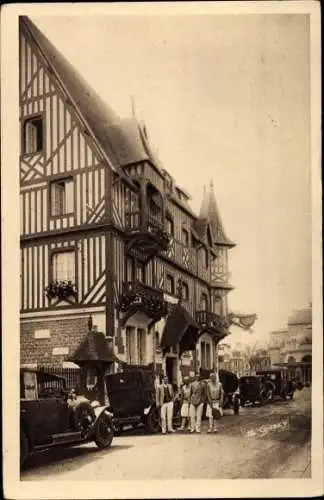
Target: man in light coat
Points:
x,y
164,401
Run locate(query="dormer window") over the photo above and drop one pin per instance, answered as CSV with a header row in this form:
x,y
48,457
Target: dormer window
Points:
x,y
62,197
33,135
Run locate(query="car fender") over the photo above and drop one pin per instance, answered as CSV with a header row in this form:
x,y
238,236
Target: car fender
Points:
x,y
99,410
148,409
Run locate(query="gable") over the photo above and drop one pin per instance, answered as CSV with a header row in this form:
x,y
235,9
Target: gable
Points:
x,y
66,145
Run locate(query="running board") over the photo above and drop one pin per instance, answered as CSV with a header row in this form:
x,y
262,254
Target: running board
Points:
x,y
62,438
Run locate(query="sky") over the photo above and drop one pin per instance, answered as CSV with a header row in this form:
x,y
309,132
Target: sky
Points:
x,y
224,98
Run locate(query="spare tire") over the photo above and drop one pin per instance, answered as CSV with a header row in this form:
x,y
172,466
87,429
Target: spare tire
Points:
x,y
82,415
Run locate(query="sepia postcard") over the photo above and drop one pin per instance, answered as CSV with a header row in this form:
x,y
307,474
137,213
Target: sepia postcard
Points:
x,y
161,250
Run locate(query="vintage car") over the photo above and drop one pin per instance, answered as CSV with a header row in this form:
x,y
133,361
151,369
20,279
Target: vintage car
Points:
x,y
277,385
132,399
253,389
51,416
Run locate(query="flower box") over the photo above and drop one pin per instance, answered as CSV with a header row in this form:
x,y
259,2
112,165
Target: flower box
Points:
x,y
61,290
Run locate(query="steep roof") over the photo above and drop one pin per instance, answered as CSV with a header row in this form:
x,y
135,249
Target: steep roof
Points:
x,y
119,139
209,216
95,347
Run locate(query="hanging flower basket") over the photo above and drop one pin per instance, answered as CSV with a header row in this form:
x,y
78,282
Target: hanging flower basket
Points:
x,y
61,290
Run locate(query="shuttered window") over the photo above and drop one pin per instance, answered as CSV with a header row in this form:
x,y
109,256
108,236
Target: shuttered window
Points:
x,y
62,197
63,266
33,135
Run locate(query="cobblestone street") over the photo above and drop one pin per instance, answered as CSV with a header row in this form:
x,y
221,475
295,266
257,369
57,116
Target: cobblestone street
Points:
x,y
268,442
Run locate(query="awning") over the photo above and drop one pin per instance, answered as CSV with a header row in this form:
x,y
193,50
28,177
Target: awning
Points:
x,y
180,329
95,348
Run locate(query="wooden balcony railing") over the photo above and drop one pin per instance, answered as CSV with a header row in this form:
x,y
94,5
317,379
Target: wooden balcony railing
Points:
x,y
211,321
140,224
137,296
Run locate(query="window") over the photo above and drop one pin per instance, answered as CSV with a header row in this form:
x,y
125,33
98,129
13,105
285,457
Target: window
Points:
x,y
33,135
169,284
130,345
185,291
140,273
141,346
204,302
92,377
218,305
169,225
185,237
62,197
205,355
157,341
205,257
63,266
130,269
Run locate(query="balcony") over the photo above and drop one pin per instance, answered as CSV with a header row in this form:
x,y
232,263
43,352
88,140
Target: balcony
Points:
x,y
146,235
138,297
212,323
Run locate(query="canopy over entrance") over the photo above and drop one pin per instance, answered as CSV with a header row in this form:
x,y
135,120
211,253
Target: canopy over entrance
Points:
x,y
180,329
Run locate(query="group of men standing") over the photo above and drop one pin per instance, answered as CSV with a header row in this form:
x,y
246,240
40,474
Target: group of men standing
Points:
x,y
193,394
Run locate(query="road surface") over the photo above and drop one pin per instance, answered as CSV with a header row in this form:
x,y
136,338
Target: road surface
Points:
x,y
268,442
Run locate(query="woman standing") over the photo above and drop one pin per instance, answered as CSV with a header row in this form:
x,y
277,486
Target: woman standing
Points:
x,y
185,398
215,400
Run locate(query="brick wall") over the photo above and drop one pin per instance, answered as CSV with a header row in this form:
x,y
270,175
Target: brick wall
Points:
x,y
58,338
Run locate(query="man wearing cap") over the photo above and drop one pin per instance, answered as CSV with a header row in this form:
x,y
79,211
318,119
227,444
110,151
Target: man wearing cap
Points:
x,y
197,398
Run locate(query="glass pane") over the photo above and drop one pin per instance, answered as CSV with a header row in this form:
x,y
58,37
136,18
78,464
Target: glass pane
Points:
x,y
69,197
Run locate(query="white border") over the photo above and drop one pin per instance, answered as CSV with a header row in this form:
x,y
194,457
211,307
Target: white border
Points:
x,y
10,254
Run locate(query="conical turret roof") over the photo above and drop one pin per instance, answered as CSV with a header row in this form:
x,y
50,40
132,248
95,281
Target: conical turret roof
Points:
x,y
210,216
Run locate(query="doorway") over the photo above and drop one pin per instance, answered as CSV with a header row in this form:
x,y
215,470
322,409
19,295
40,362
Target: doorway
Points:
x,y
171,369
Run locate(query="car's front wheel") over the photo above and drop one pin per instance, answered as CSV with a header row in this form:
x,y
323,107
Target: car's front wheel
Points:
x,y
104,432
24,448
153,420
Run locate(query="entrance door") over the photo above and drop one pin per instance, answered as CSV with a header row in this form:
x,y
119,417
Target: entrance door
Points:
x,y
171,370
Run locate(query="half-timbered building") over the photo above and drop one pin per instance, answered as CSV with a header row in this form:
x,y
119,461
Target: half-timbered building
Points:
x,y
108,239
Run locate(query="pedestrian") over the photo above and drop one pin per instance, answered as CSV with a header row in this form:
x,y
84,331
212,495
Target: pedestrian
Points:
x,y
197,397
185,399
215,395
164,401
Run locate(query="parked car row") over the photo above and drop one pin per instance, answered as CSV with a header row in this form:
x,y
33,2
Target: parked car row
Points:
x,y
50,415
265,387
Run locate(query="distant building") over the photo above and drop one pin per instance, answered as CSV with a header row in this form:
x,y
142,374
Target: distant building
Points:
x,y
291,348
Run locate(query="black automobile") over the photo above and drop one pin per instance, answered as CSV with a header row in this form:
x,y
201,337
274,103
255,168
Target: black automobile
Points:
x,y
132,399
51,416
277,385
253,390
